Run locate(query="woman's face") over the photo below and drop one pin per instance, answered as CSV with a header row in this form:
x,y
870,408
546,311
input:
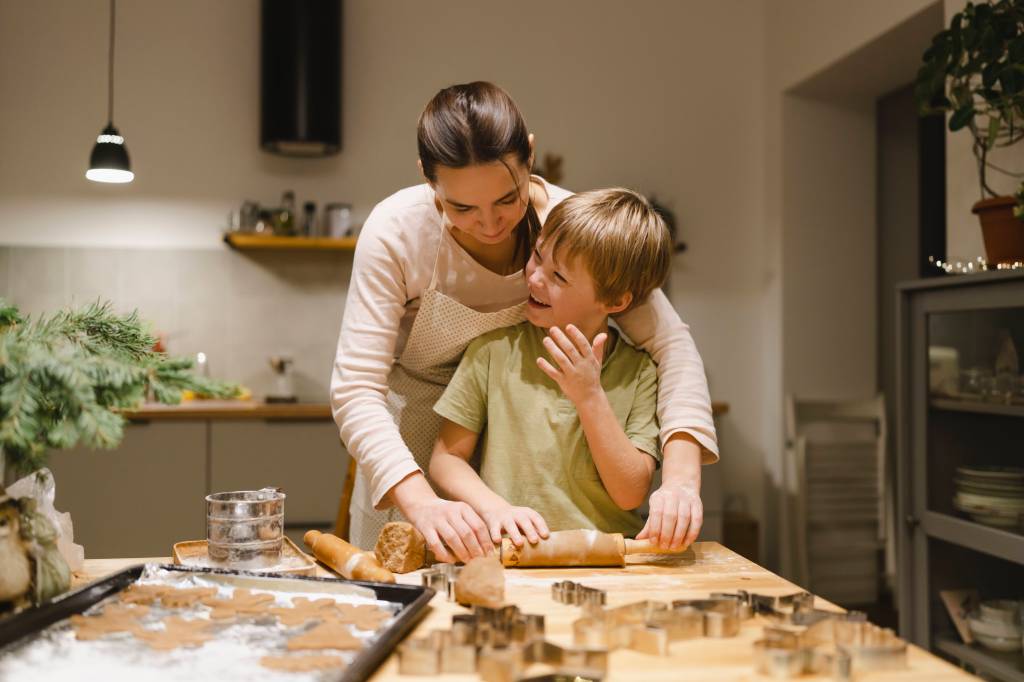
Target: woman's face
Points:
x,y
484,202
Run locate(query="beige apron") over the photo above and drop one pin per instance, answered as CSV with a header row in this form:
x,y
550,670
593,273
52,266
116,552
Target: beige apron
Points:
x,y
440,333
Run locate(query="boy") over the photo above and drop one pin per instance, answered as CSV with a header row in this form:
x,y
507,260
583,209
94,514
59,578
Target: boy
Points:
x,y
568,417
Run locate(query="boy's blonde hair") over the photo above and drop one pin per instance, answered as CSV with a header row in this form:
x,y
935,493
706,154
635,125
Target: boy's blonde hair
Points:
x,y
618,236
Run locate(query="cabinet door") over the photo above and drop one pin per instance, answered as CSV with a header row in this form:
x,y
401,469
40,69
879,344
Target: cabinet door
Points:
x,y
139,499
305,459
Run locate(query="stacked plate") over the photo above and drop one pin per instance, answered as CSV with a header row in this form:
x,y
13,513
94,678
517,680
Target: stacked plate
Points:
x,y
997,625
991,495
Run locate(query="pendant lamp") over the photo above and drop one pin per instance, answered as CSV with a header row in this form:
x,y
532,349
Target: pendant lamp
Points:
x,y
109,159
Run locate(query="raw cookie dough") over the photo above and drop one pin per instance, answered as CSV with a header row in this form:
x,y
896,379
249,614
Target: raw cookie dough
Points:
x,y
143,594
115,618
363,616
400,547
329,635
242,601
303,609
177,632
481,582
301,664
175,598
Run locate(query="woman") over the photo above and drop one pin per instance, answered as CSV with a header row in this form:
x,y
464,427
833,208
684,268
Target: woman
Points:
x,y
441,263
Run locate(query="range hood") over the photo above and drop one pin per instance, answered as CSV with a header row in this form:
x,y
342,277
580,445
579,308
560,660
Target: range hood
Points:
x,y
300,77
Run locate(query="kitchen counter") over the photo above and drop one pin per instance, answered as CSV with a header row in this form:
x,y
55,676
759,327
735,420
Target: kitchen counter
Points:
x,y
231,409
716,569
251,409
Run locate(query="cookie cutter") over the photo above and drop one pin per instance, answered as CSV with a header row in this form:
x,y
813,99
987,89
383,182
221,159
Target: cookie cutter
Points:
x,y
722,616
509,664
459,650
575,594
856,646
651,626
437,653
441,578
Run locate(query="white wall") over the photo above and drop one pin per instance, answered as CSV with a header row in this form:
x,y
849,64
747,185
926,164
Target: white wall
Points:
x,y
826,62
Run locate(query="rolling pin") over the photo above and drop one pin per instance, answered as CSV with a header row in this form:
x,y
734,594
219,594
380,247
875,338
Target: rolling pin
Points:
x,y
348,560
577,548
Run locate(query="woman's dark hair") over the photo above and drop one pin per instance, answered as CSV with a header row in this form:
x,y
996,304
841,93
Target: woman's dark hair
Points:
x,y
476,123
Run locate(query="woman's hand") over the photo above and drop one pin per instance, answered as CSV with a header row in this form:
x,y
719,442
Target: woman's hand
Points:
x,y
676,516
512,520
448,525
579,363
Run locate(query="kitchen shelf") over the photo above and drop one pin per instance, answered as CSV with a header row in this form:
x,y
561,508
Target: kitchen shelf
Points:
x,y
986,539
936,436
1006,666
257,242
977,407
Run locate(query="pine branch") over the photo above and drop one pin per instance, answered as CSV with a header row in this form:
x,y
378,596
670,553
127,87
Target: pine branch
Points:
x,y
65,378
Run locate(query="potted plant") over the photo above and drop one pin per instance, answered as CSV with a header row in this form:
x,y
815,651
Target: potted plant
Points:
x,y
975,70
65,378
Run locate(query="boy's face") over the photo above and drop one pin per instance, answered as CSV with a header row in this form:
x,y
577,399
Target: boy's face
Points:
x,y
562,292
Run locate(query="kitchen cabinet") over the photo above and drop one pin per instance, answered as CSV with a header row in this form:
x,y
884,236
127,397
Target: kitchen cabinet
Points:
x,y
140,498
961,419
305,459
148,494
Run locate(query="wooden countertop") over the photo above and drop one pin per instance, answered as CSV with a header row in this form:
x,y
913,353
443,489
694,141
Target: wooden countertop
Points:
x,y
231,409
198,410
715,569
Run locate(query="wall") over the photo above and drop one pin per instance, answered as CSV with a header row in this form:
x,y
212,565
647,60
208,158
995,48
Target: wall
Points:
x,y
826,63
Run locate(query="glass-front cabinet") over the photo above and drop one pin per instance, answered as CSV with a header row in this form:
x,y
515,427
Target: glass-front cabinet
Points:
x,y
960,469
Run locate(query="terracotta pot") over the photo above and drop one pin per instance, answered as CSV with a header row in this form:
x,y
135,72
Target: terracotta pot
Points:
x,y
1002,231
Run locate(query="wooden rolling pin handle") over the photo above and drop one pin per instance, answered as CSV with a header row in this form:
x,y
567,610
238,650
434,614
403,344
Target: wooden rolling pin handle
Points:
x,y
348,560
648,547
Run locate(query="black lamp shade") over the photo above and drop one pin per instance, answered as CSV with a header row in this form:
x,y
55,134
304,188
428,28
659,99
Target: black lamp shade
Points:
x,y
109,159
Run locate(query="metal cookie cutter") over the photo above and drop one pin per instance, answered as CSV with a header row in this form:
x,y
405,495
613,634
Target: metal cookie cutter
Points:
x,y
647,626
439,652
458,650
497,627
441,578
509,664
840,644
575,594
722,616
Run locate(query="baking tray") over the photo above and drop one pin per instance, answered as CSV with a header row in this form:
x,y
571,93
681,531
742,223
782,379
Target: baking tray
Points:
x,y
293,560
412,598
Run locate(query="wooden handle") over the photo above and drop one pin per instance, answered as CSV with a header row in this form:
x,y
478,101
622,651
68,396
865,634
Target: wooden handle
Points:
x,y
647,547
348,560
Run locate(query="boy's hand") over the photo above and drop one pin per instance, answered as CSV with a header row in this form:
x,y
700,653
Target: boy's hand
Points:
x,y
579,364
675,519
513,519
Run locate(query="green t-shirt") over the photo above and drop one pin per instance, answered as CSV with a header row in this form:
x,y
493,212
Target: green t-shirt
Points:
x,y
533,451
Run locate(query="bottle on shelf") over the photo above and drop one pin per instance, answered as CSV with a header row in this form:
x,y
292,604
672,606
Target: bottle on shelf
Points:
x,y
285,222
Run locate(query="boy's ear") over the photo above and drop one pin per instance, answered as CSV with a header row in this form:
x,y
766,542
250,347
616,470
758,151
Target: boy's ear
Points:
x,y
620,305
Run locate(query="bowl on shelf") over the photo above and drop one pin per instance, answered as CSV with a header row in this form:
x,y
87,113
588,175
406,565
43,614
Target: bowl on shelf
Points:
x,y
997,636
1006,611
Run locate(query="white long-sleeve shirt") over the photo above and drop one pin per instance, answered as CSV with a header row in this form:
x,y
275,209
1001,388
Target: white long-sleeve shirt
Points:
x,y
393,263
